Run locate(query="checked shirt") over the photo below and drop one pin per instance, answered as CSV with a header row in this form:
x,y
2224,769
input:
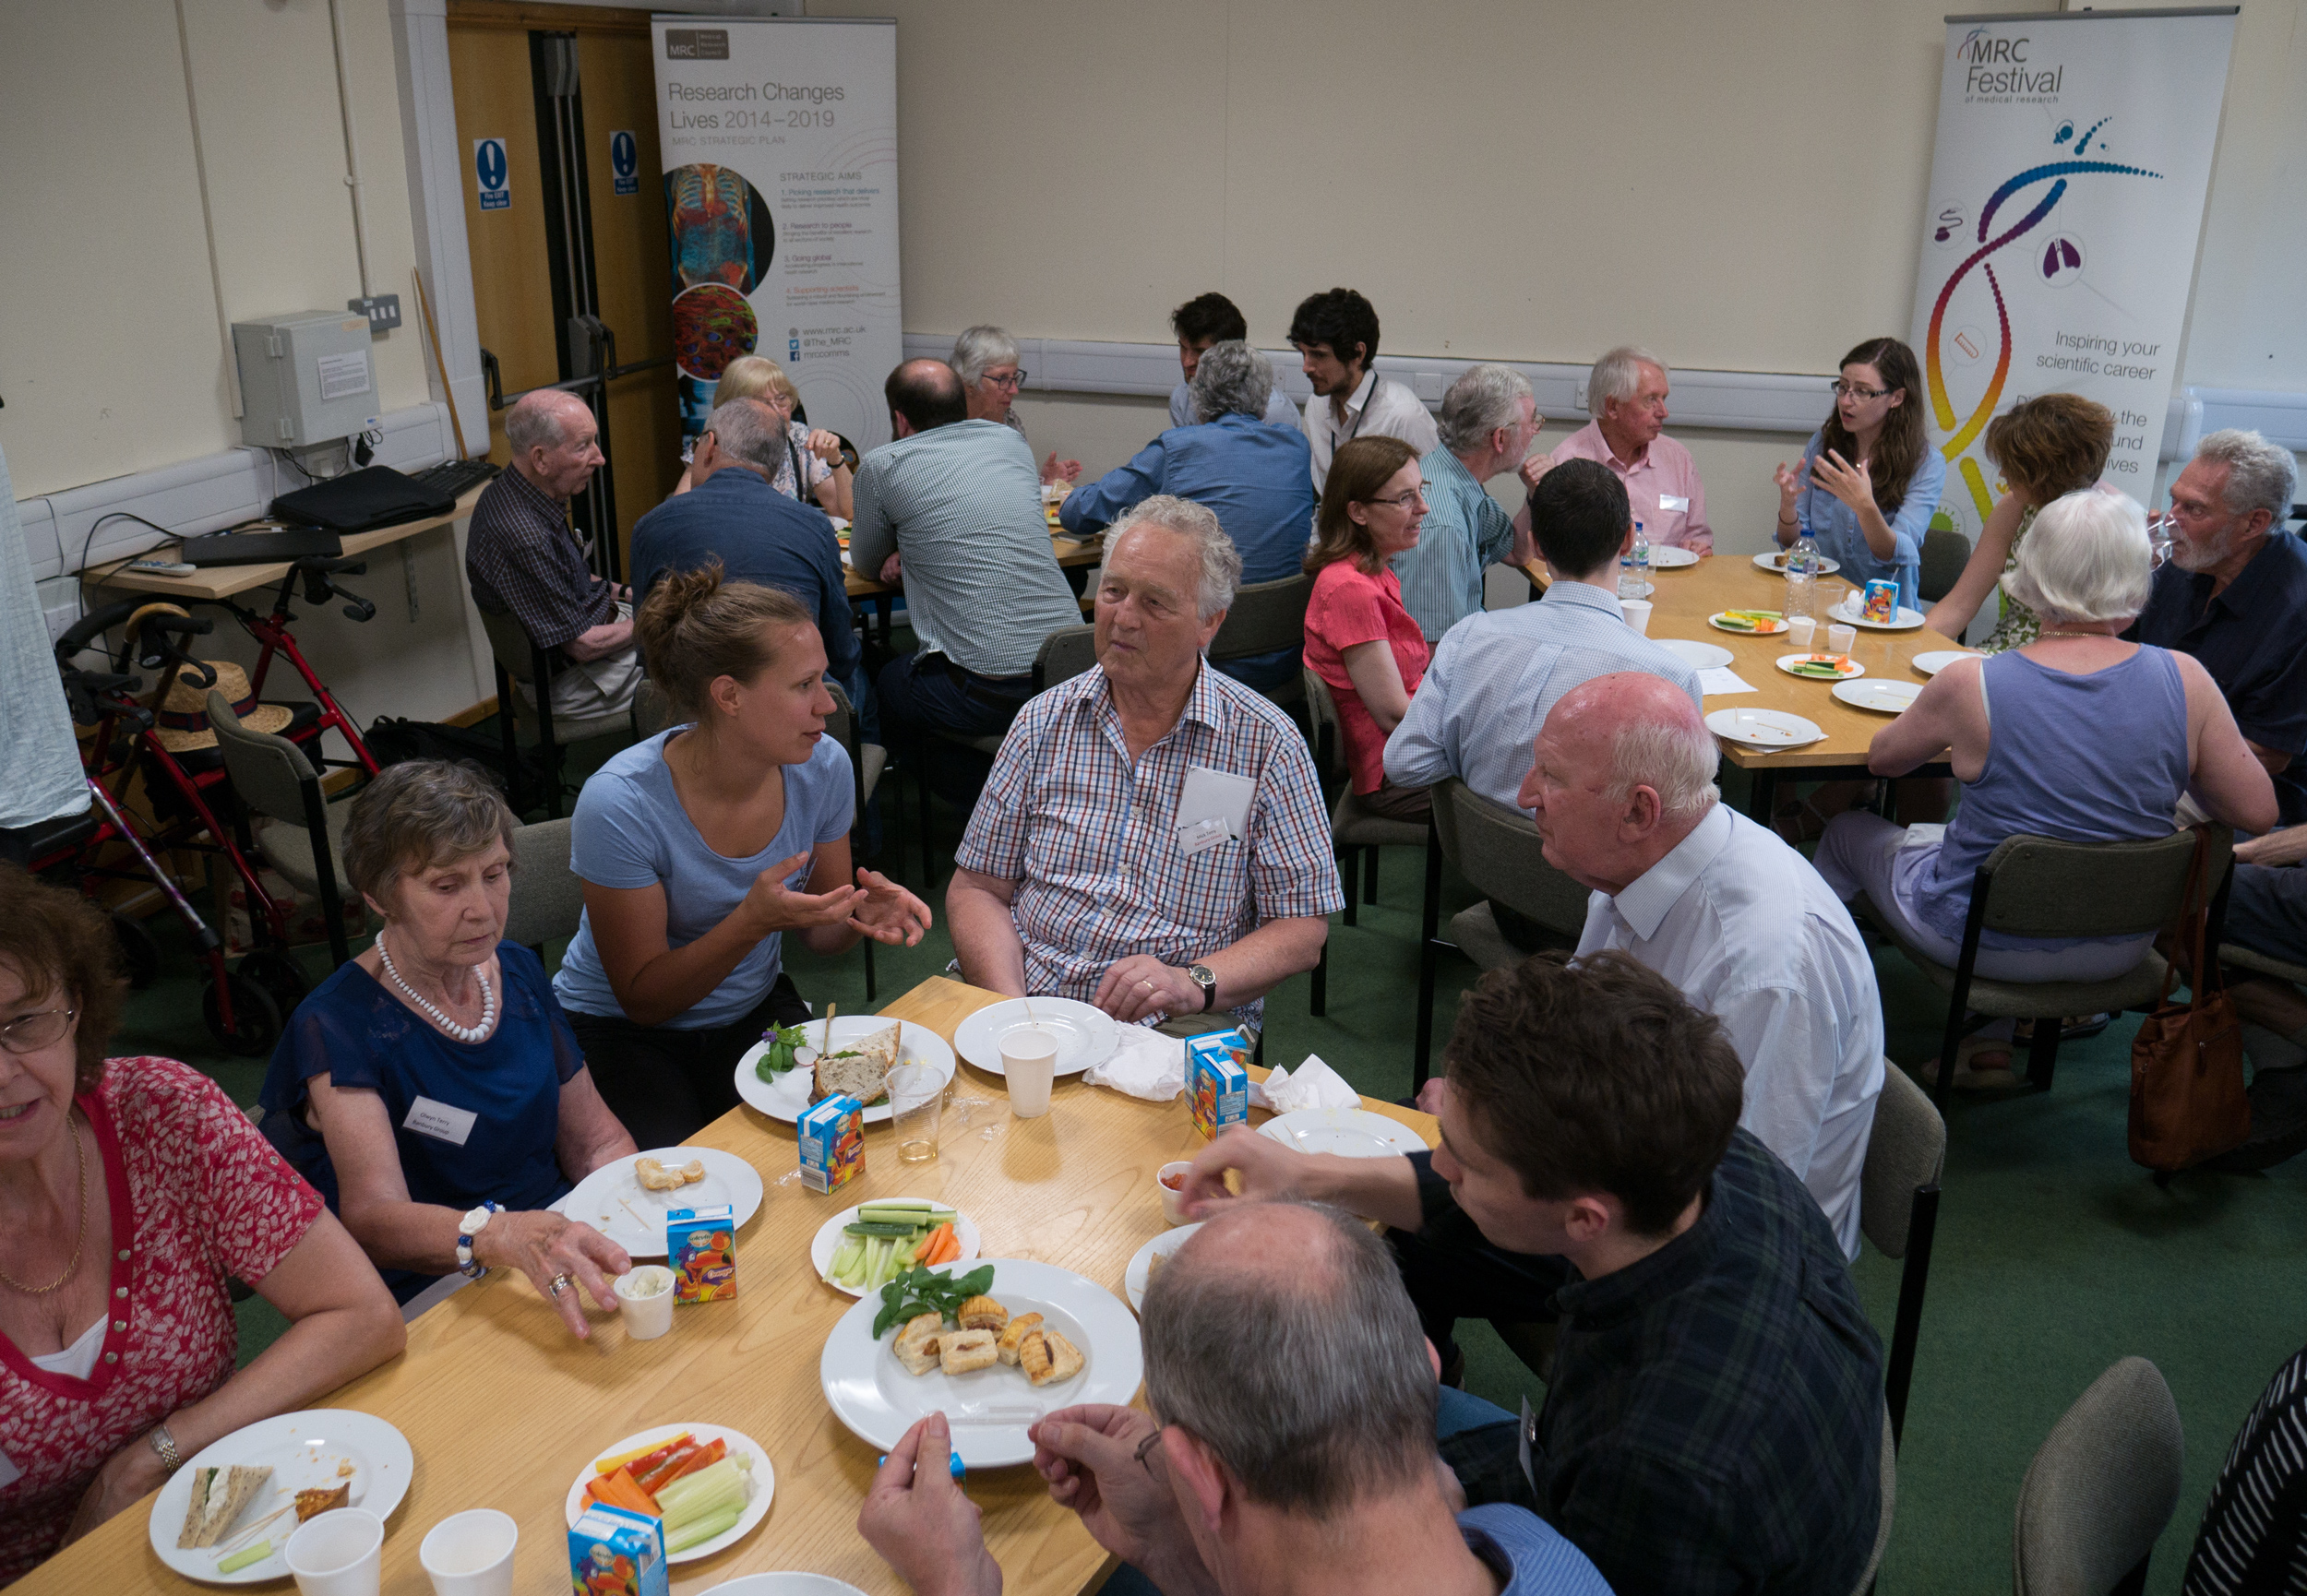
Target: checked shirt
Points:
x,y
520,556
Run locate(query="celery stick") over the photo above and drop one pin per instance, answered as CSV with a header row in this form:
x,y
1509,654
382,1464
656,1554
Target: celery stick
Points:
x,y
703,1530
843,1256
248,1556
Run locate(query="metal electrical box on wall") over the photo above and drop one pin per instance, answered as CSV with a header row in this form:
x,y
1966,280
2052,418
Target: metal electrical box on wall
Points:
x,y
306,378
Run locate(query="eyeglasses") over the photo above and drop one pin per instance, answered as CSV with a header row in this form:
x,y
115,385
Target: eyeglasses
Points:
x,y
1852,391
1401,501
1014,381
30,1032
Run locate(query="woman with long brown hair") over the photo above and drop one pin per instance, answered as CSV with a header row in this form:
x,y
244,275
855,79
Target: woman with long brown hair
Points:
x,y
1868,481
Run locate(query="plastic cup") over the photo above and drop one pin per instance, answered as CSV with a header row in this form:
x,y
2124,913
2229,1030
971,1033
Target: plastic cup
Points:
x,y
1799,630
1637,613
339,1553
471,1554
1029,1062
916,1107
644,1299
1172,1196
1841,640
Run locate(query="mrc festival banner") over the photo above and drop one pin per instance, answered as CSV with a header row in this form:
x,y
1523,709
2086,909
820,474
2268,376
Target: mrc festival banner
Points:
x,y
2067,187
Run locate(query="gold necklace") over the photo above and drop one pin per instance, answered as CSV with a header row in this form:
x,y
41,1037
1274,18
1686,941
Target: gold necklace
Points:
x,y
79,1158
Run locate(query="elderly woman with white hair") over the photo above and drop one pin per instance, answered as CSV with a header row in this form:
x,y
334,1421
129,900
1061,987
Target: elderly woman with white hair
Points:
x,y
2076,736
985,358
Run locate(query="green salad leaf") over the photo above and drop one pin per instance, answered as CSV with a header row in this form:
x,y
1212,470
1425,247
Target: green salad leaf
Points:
x,y
780,1056
923,1291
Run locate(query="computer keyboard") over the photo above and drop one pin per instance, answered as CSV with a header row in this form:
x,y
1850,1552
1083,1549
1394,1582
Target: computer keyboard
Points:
x,y
454,477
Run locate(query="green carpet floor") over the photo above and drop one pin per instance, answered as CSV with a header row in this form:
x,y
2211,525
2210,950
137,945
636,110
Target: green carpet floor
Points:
x,y
2055,1254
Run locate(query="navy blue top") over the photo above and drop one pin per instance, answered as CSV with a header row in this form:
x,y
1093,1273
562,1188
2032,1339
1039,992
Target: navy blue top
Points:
x,y
2252,639
758,535
359,1034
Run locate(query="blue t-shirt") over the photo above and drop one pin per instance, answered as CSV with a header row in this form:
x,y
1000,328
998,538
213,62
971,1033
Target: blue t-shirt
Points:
x,y
631,831
354,1030
1528,1552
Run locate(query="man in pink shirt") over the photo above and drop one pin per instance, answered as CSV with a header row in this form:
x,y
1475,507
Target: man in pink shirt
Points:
x,y
1627,397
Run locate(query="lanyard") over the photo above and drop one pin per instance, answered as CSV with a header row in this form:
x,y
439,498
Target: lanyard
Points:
x,y
1363,414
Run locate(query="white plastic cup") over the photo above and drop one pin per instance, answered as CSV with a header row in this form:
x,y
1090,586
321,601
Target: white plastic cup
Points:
x,y
1029,1062
339,1553
1173,1197
1637,613
1841,640
471,1554
644,1299
1799,631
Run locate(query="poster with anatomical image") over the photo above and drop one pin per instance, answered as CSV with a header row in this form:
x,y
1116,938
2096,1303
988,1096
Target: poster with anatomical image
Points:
x,y
2068,178
779,140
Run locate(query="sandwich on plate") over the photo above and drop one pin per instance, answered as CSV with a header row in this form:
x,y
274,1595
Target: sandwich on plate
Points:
x,y
860,1070
219,1496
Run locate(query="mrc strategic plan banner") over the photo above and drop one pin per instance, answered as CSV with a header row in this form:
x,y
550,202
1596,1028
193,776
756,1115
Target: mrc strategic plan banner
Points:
x,y
2067,187
780,140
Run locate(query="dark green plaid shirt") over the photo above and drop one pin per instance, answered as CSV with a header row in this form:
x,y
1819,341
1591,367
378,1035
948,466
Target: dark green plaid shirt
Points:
x,y
1714,1421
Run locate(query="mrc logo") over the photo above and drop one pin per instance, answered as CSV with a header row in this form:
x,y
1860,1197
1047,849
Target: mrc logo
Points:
x,y
1977,49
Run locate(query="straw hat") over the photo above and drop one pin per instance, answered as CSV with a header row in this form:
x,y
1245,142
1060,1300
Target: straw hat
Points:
x,y
184,714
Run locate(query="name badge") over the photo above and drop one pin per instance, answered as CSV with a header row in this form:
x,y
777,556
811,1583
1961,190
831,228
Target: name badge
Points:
x,y
1527,1436
440,1121
9,1472
1201,835
1669,502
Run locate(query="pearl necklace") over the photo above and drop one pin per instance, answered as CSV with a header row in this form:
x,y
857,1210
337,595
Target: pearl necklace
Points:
x,y
434,1012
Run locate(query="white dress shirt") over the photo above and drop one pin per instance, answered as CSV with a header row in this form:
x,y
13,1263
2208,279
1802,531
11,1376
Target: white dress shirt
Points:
x,y
1379,409
1752,935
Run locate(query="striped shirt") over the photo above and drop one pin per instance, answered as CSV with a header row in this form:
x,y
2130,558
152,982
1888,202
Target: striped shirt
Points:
x,y
1497,674
1465,532
2253,1537
1089,836
961,503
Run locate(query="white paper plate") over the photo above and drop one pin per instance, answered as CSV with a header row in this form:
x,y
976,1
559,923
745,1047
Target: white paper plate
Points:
x,y
1772,560
1670,557
1698,656
1086,1036
1787,663
1848,614
1141,1268
596,1201
991,1410
787,1097
782,1585
756,1506
1938,660
829,1237
1764,727
303,1451
1348,1132
1714,620
1889,698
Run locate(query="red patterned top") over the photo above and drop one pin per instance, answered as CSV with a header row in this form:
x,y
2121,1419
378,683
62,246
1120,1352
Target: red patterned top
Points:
x,y
197,1195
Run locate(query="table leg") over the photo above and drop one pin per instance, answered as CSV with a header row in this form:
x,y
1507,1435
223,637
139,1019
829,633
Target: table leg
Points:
x,y
1762,798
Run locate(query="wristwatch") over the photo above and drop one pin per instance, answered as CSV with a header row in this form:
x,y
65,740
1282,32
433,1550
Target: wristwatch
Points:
x,y
164,1444
1203,976
467,1228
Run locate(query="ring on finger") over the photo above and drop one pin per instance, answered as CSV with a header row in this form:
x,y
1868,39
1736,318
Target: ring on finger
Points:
x,y
560,1284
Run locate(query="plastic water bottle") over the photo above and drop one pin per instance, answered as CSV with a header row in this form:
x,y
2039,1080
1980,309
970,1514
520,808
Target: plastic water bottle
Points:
x,y
1802,564
1629,579
1642,562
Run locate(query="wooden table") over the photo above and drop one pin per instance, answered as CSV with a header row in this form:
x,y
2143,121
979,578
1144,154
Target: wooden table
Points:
x,y
503,1407
1072,554
213,583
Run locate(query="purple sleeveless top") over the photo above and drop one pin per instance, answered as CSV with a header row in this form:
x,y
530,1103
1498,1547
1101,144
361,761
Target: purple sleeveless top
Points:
x,y
2094,758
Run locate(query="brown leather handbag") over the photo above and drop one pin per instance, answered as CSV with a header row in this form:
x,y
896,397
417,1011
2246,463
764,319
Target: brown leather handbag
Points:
x,y
2187,1099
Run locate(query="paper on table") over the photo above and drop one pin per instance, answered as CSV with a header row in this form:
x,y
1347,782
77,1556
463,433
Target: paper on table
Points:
x,y
1721,679
1144,1063
1314,1085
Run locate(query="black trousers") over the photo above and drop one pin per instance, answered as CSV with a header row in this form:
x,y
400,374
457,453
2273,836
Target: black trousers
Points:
x,y
666,1085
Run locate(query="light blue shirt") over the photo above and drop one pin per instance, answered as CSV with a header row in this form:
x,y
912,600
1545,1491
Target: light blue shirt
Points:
x,y
1253,477
1529,1555
1497,674
1280,413
1464,532
1834,525
631,831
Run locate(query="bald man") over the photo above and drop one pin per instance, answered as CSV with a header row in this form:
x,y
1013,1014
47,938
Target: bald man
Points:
x,y
1724,910
522,557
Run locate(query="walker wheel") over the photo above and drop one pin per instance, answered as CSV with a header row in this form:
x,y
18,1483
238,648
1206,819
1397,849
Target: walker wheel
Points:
x,y
139,954
256,1017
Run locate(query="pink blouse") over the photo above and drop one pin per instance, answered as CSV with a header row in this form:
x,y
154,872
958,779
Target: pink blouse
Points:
x,y
1349,607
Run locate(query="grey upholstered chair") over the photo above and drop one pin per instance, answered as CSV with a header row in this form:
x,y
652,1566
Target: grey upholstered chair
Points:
x,y
1898,1212
522,662
2100,1489
274,778
1355,834
1264,618
1063,655
547,898
1945,553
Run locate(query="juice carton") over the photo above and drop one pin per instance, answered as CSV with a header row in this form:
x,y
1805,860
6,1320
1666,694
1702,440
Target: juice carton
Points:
x,y
1216,1082
1881,601
612,1552
832,1143
701,1245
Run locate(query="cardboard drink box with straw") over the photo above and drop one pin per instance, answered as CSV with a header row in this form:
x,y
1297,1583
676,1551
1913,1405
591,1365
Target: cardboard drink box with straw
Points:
x,y
1217,1084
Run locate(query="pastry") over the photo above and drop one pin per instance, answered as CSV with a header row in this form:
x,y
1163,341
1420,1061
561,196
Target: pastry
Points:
x,y
1014,1336
313,1503
917,1342
963,1350
981,1314
1065,1360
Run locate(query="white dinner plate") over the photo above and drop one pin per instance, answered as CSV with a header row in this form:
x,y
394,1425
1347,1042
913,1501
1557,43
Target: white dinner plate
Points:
x,y
1348,1132
1774,561
1698,656
991,1410
829,1237
787,1097
1764,727
1846,666
1759,629
1086,1036
1141,1268
1670,557
764,1485
782,1585
1889,698
1938,660
1648,589
1847,613
617,1206
305,1451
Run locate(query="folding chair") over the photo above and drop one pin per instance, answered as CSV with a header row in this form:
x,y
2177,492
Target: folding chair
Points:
x,y
522,662
275,779
547,898
2100,1489
1264,618
1898,1212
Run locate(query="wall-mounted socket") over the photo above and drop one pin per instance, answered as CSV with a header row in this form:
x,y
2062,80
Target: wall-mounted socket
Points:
x,y
383,311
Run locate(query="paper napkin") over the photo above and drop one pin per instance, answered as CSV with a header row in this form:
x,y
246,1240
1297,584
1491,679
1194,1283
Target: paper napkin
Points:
x,y
1143,1063
1312,1085
1720,679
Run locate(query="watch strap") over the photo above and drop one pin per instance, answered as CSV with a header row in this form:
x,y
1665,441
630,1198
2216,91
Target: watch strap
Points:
x,y
164,1444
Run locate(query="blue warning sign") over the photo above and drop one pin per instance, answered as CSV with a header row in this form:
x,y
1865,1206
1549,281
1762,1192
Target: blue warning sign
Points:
x,y
625,163
493,173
